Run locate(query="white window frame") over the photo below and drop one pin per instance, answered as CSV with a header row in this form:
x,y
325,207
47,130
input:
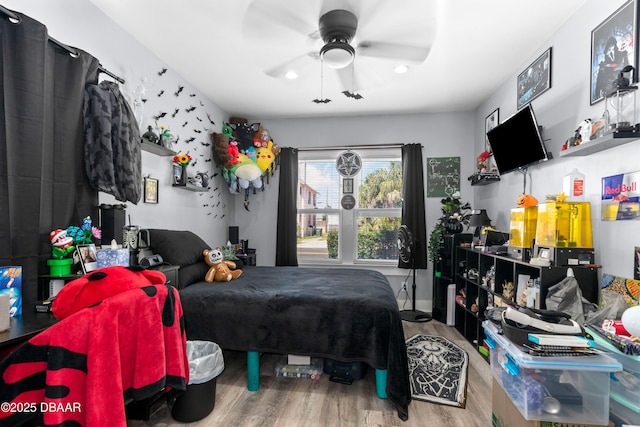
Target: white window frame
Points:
x,y
348,219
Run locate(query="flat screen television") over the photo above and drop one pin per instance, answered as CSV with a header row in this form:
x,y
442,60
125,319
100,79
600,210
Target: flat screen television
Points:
x,y
516,143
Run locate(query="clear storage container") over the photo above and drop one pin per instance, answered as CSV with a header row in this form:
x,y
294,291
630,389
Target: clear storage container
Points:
x,y
579,384
624,385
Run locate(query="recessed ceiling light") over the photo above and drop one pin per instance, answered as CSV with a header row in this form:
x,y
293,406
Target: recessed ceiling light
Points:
x,y
400,69
291,75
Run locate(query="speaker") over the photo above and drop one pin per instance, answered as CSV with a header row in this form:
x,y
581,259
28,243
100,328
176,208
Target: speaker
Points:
x,y
234,235
151,261
111,222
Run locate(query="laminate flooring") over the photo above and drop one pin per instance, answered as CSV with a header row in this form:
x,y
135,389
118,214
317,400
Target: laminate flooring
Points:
x,y
285,402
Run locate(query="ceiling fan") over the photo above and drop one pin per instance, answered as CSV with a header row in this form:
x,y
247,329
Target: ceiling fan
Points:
x,y
406,249
359,41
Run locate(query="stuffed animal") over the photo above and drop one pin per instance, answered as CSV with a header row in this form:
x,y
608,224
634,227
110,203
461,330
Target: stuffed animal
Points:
x,y
219,269
100,284
527,201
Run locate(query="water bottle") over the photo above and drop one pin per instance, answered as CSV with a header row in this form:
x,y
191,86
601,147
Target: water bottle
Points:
x,y
573,186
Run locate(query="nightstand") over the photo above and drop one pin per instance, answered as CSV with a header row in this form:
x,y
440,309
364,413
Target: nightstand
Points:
x,y
171,271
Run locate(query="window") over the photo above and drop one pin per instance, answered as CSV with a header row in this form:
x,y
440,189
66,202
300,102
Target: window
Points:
x,y
366,233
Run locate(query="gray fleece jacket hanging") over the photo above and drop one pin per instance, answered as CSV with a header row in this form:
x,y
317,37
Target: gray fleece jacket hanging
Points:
x,y
112,143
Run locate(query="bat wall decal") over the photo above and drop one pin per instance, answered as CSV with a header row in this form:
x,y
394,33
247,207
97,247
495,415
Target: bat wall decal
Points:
x,y
161,72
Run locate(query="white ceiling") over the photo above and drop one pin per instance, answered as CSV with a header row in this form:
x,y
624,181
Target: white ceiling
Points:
x,y
223,47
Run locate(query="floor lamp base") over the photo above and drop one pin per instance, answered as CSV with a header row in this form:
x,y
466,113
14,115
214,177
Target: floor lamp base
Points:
x,y
415,316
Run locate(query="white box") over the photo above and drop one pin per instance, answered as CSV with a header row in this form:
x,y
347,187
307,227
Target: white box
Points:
x,y
451,304
522,377
293,359
5,317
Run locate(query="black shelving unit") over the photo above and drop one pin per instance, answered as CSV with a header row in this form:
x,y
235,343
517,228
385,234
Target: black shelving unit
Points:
x,y
444,272
469,318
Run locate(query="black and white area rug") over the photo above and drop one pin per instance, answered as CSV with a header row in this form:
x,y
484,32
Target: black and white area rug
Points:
x,y
437,370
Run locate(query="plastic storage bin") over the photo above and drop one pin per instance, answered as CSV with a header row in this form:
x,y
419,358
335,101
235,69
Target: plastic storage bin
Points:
x,y
205,364
624,385
580,385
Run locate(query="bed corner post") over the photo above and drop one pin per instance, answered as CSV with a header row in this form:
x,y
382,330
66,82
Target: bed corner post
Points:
x,y
253,370
381,383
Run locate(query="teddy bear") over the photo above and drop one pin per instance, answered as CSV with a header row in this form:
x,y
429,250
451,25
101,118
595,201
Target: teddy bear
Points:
x,y
219,269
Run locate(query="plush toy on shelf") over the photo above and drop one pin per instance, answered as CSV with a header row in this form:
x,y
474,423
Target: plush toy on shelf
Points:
x,y
220,270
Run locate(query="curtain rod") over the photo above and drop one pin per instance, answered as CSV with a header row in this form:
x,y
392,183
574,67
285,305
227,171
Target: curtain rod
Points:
x,y
352,147
69,49
74,53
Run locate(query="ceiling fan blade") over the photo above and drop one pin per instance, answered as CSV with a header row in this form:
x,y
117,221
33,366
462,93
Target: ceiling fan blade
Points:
x,y
293,64
415,54
267,17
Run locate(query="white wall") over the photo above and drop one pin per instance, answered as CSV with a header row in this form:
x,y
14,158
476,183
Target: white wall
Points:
x,y
441,135
80,24
559,111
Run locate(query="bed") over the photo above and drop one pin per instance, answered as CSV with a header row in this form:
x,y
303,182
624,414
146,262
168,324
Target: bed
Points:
x,y
346,314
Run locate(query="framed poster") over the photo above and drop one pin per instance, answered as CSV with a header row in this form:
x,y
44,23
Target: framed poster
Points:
x,y
613,47
535,79
150,190
491,121
443,176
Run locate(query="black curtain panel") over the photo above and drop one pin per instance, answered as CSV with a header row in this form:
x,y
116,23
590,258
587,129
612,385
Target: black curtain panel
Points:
x,y
43,185
286,243
413,212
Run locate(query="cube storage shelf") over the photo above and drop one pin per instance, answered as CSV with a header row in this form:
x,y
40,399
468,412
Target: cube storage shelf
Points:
x,y
470,311
444,272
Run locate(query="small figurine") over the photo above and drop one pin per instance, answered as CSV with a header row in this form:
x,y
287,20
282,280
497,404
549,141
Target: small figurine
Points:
x,y
507,290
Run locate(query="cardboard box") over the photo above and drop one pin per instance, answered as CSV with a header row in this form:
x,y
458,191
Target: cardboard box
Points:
x,y
11,284
505,414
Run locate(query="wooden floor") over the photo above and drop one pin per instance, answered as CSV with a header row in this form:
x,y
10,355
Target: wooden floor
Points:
x,y
285,402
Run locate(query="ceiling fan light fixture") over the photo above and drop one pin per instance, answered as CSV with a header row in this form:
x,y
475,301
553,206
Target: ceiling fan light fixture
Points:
x,y
291,75
401,69
337,54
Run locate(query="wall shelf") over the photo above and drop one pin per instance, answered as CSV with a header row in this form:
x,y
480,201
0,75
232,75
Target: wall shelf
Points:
x,y
191,187
156,149
482,178
597,145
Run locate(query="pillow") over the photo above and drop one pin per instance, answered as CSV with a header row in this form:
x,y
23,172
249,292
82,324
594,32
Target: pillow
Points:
x,y
181,248
193,273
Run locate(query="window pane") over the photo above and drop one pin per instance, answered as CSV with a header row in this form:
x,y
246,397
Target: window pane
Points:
x,y
317,236
377,237
379,184
319,185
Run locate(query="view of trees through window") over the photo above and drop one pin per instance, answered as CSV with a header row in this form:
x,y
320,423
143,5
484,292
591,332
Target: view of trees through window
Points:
x,y
367,232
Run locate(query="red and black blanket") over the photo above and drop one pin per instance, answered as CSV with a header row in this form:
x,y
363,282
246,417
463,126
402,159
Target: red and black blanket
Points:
x,y
83,370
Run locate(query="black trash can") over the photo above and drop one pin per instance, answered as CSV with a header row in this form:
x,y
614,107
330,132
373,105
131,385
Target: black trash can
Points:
x,y
205,364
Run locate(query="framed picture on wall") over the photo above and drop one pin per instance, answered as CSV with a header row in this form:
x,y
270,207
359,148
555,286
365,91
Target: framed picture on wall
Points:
x,y
150,190
491,121
535,79
613,47
347,185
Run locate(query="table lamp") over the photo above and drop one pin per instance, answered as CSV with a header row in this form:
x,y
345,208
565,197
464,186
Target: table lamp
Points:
x,y
479,219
